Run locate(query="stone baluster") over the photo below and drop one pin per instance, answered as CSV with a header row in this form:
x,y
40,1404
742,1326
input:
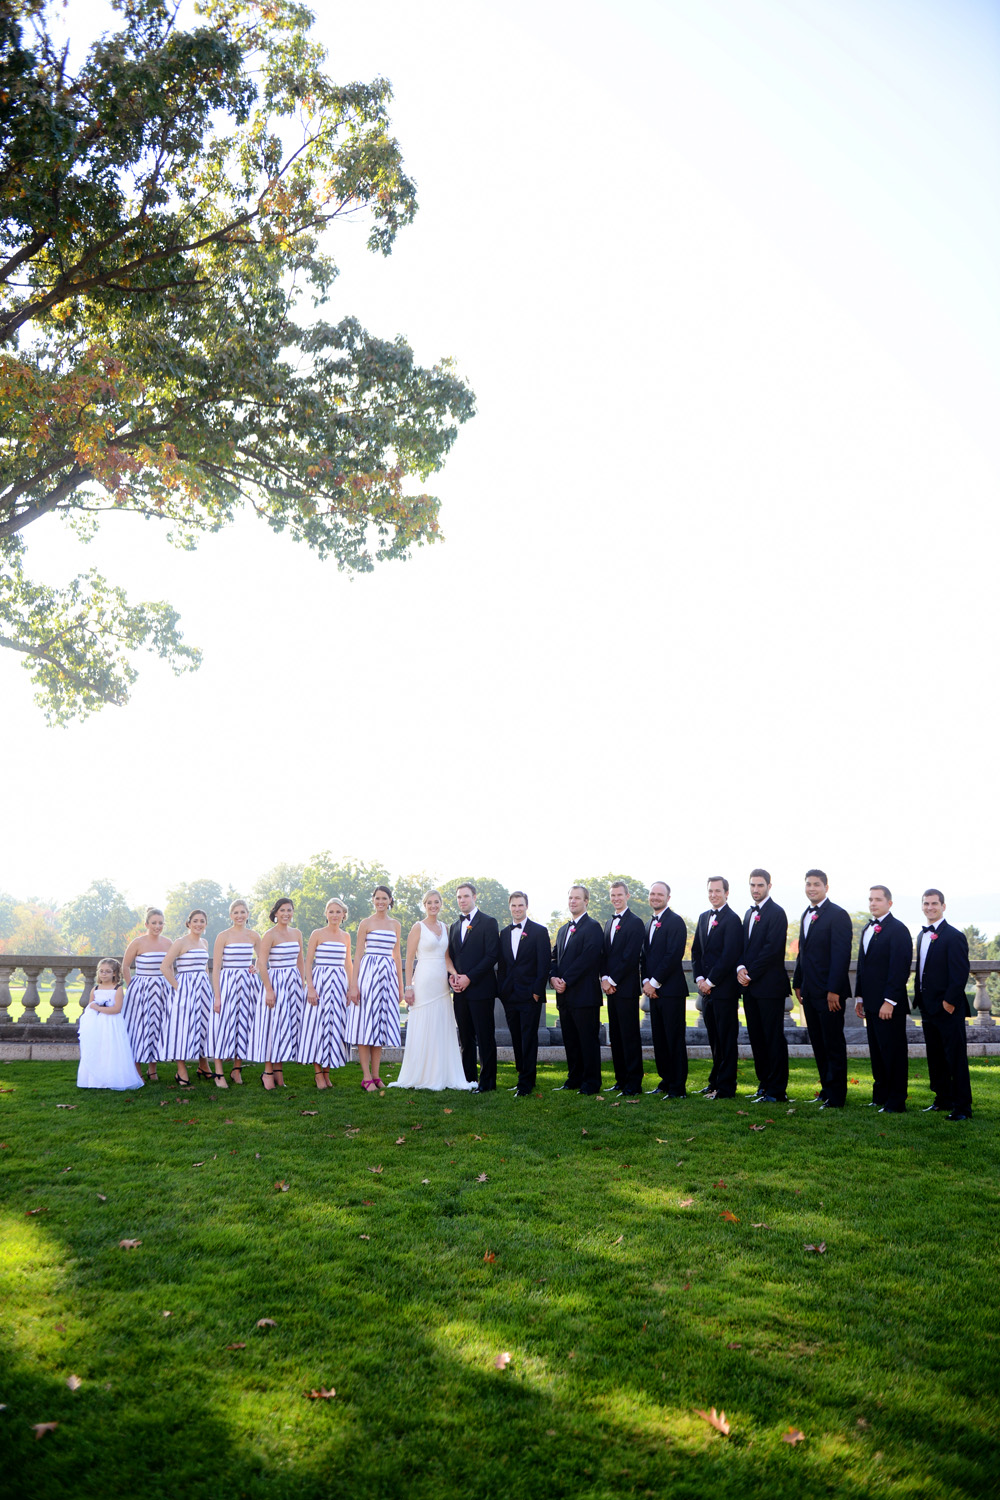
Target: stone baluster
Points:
x,y
60,999
6,974
88,969
983,1020
29,1016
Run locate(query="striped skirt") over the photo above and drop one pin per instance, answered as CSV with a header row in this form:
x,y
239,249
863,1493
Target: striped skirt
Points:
x,y
324,1024
229,1031
274,1030
145,1002
374,1021
184,1030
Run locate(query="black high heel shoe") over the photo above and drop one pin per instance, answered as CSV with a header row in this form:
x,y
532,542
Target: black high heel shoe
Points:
x,y
237,1069
220,1079
183,1083
267,1073
205,1073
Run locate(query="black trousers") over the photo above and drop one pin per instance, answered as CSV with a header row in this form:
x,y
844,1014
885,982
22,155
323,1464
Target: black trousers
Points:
x,y
766,1030
888,1054
668,1022
826,1037
474,1019
947,1043
626,1043
581,1031
722,1022
523,1018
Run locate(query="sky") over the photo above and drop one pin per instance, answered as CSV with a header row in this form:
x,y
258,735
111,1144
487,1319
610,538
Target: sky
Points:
x,y
717,585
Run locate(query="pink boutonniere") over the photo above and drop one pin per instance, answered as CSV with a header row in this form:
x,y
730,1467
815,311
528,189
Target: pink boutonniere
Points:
x,y
656,926
876,928
756,916
934,937
813,916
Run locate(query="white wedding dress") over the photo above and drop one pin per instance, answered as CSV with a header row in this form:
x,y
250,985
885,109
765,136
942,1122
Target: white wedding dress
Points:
x,y
431,1059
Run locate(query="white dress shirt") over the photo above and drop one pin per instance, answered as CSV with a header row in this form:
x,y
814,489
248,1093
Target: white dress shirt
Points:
x,y
806,925
924,946
466,919
742,969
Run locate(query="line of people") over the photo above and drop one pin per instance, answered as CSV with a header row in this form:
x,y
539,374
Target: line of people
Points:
x,y
274,998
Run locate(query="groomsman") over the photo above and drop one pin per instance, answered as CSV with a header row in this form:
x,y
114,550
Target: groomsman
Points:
x,y
822,983
665,984
473,942
765,989
624,935
523,973
576,978
715,952
885,953
939,993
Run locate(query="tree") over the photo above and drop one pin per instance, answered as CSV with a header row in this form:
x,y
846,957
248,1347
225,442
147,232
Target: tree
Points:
x,y
207,895
34,928
599,886
162,260
491,898
100,921
312,885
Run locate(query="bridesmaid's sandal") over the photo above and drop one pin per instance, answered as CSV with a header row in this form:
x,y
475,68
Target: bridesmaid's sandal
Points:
x,y
378,1083
151,1077
279,1075
237,1081
183,1083
205,1073
369,1084
267,1073
220,1079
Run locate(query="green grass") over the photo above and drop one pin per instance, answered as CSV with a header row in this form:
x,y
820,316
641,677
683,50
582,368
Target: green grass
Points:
x,y
622,1311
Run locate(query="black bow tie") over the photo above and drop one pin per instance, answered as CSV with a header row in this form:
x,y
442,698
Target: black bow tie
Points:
x,y
755,908
517,927
874,921
928,929
814,908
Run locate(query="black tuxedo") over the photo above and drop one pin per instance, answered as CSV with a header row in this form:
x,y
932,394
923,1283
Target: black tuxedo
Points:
x,y
946,973
521,978
765,933
882,974
824,967
715,954
477,958
577,958
622,961
663,960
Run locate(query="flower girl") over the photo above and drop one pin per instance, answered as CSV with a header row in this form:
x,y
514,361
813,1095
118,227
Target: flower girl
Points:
x,y
105,1054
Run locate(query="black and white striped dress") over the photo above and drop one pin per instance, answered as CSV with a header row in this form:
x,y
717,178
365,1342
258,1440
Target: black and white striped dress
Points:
x,y
239,990
145,1001
275,1031
323,1038
184,1032
374,1021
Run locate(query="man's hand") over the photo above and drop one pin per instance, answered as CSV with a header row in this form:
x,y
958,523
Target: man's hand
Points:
x,y
559,985
798,995
743,977
949,1008
704,988
460,982
833,1001
607,986
885,1011
648,990
859,1010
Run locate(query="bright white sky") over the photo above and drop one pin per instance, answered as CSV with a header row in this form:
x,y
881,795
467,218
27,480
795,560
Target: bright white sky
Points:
x,y
719,580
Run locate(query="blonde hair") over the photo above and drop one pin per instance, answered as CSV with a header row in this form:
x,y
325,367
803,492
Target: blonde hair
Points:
x,y
336,901
153,911
427,895
239,902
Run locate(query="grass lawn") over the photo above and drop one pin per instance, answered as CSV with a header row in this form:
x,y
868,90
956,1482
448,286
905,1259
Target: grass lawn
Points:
x,y
649,1261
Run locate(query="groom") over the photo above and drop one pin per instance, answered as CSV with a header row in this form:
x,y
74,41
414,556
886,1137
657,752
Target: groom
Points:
x,y
474,943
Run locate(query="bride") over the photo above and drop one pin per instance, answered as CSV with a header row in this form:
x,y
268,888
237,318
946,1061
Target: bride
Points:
x,y
431,1059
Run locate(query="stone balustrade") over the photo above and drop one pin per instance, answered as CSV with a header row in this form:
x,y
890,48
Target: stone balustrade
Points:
x,y
31,1037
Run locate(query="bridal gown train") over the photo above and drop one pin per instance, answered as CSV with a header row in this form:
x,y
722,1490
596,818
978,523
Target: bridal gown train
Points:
x,y
432,1058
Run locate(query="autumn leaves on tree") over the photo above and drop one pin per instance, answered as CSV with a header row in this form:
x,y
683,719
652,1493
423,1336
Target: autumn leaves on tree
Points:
x,y
164,210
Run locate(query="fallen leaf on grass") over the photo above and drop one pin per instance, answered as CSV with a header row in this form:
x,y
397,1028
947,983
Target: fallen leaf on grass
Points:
x,y
502,1360
58,1106
447,1111
490,1257
236,1346
644,1327
449,1143
308,1111
30,1212
102,1197
599,1098
584,1130
789,1111
761,1225
67,1169
74,1382
401,1140
759,1127
616,1104
321,1395
714,1419
266,1323
734,1346
377,1170
424,1181
416,1127
792,1436
618,1240
41,1428
550,1432
741,1111
768,1122
364,1236
863,1423
659,1140
689,1139
197,1164
686,1203
281,1187
129,1244
820,1249
167,1313
571,1354
729,1216
719,1184
60,1328
686,1287
477,1137
482,1177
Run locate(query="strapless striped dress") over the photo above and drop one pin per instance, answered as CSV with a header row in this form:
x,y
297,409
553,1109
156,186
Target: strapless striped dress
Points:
x,y
374,1021
229,1033
275,1031
145,1001
323,1038
184,1031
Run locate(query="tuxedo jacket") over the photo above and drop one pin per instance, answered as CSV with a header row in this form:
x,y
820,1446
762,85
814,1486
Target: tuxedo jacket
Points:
x,y
623,957
579,961
823,966
946,972
477,956
764,952
663,954
526,974
883,972
716,951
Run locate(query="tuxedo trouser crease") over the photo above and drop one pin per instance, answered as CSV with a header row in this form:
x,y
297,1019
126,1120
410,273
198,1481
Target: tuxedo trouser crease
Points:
x,y
766,1030
826,1037
523,1018
476,1027
626,1042
722,1022
581,1030
946,1039
668,1023
888,1055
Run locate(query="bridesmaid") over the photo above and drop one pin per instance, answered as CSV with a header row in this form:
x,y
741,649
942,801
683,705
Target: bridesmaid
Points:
x,y
237,988
146,996
376,994
184,1032
328,974
278,1015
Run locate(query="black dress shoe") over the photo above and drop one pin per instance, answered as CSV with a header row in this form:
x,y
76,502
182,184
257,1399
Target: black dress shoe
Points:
x,y
887,1109
930,1109
589,1093
706,1090
560,1086
827,1105
957,1114
767,1099
481,1090
512,1088
816,1099
523,1093
658,1090
629,1093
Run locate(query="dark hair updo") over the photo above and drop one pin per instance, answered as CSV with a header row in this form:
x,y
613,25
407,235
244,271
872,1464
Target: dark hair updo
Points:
x,y
388,893
272,915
